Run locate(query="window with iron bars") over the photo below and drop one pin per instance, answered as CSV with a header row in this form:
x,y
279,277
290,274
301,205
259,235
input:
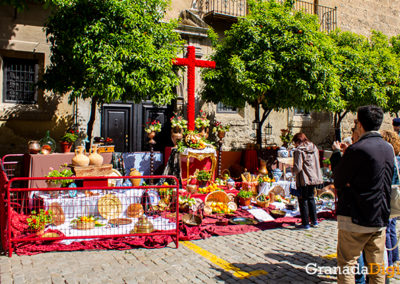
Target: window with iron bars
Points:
x,y
19,78
221,108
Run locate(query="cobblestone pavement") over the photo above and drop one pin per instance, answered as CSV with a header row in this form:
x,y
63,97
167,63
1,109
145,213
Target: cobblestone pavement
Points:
x,y
282,253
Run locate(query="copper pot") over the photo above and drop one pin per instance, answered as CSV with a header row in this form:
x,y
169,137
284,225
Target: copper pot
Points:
x,y
34,147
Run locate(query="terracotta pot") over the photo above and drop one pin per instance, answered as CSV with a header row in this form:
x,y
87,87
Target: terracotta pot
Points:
x,y
34,147
244,201
135,181
80,159
151,135
263,167
176,135
221,134
204,132
95,158
66,146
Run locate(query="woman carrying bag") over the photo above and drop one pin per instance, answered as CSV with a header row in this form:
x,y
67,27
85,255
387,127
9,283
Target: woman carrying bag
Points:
x,y
307,169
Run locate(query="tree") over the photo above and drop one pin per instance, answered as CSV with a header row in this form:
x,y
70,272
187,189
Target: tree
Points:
x,y
109,50
275,58
368,71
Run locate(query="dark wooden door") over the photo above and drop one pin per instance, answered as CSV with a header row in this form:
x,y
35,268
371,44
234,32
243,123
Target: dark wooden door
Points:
x,y
163,114
117,124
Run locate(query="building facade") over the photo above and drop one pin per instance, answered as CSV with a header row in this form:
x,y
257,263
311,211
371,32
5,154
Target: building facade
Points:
x,y
26,112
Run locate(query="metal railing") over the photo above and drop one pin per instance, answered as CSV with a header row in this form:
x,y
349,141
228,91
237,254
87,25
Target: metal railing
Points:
x,y
230,8
327,16
238,8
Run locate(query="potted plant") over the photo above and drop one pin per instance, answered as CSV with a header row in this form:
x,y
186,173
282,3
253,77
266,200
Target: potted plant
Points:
x,y
203,177
151,128
202,123
178,125
185,202
61,172
220,129
37,221
286,137
244,197
67,140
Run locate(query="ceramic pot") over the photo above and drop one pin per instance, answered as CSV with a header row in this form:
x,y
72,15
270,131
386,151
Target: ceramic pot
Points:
x,y
34,147
135,181
80,159
244,201
221,135
66,146
95,158
283,153
277,173
176,135
151,136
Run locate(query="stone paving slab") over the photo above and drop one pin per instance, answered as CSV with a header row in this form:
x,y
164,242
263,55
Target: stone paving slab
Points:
x,y
283,253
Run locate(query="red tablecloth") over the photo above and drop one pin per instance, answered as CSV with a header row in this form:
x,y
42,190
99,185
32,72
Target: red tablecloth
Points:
x,y
207,229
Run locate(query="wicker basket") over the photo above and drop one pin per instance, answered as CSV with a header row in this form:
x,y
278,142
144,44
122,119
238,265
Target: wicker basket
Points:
x,y
84,225
263,204
217,196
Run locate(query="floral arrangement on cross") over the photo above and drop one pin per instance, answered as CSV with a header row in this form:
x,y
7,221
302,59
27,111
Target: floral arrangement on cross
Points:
x,y
38,220
154,126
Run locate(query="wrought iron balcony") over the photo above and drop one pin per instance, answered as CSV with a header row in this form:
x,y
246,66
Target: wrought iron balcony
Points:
x,y
327,16
232,9
223,9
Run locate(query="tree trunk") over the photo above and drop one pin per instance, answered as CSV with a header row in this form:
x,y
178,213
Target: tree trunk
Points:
x,y
259,132
91,121
337,123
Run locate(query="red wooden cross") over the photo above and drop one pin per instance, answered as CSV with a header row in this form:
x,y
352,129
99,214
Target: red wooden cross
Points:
x,y
191,62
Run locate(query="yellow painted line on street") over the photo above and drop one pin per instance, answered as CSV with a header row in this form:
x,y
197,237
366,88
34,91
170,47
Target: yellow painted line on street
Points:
x,y
222,263
330,256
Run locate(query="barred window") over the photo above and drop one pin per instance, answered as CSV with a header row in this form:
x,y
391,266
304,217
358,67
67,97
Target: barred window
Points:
x,y
225,109
19,78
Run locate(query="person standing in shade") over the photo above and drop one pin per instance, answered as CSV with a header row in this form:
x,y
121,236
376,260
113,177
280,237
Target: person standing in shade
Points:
x,y
396,125
363,179
307,169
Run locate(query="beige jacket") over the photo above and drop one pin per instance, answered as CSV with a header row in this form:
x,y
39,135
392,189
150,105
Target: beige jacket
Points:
x,y
306,165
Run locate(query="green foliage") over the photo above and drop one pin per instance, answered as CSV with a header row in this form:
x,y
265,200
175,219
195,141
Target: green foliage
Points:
x,y
275,57
69,137
112,50
368,70
22,5
38,221
61,172
203,175
245,194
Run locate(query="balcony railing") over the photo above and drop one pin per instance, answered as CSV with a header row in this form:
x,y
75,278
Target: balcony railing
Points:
x,y
228,9
232,9
327,16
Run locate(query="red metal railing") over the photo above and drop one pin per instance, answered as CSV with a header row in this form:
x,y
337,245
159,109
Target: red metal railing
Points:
x,y
109,205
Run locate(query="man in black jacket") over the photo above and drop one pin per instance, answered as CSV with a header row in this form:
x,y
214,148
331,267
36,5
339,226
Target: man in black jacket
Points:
x,y
363,181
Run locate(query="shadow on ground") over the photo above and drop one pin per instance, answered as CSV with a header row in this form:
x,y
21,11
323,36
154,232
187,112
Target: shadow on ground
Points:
x,y
282,266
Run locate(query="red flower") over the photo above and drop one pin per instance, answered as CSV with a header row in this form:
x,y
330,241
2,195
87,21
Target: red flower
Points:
x,y
34,221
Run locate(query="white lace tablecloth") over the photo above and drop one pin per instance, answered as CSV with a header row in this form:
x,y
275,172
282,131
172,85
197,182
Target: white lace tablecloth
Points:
x,y
207,150
266,187
87,206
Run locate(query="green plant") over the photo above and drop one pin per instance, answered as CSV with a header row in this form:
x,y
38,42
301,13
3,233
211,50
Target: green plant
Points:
x,y
326,161
38,221
155,126
70,137
245,194
203,175
178,121
263,198
219,127
286,136
202,120
60,173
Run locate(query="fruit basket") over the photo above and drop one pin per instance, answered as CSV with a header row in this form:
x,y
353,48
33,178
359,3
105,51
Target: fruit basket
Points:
x,y
263,201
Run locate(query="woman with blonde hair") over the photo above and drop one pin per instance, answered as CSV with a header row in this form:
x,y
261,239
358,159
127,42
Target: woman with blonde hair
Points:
x,y
391,239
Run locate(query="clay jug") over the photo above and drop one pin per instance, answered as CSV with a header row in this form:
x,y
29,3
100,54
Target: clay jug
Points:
x,y
80,159
176,135
95,158
263,167
135,181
